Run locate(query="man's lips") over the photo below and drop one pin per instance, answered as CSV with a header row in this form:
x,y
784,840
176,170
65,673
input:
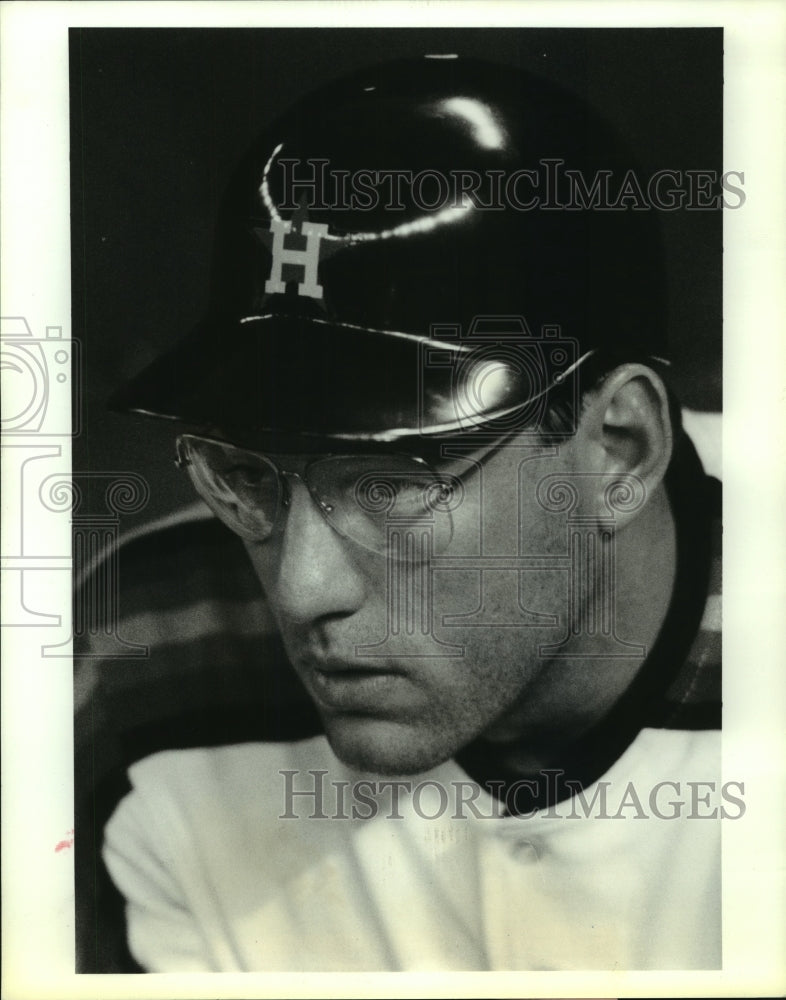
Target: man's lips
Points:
x,y
354,685
340,667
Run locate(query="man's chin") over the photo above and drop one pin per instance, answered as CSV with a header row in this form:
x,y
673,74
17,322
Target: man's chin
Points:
x,y
382,746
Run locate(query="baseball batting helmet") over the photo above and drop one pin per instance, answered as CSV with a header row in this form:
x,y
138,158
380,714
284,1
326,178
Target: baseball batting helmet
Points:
x,y
416,249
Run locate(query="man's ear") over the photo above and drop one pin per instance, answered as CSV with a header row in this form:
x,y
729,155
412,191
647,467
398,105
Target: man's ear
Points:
x,y
625,427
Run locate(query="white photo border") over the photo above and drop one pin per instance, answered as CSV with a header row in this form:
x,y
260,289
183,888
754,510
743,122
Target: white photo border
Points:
x,y
37,740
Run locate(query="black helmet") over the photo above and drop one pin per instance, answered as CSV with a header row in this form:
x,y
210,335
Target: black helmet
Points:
x,y
415,249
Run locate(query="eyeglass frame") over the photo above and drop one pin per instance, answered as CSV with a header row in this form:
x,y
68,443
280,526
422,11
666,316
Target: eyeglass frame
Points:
x,y
182,462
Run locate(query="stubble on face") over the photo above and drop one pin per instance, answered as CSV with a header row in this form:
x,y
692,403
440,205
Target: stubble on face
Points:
x,y
411,709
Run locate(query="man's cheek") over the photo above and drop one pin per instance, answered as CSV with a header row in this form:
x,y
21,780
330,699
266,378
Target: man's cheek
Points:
x,y
499,594
456,592
262,558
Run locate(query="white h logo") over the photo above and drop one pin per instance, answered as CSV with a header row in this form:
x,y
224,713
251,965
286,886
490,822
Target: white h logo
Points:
x,y
308,259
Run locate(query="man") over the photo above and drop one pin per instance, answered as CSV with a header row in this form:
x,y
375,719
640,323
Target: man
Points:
x,y
444,694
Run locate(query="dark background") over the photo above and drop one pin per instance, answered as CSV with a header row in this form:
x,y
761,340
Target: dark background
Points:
x,y
159,117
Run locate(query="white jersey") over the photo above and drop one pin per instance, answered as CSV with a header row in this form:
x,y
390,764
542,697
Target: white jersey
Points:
x,y
225,869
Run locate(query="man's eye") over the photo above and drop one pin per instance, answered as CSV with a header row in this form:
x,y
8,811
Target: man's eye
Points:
x,y
407,494
441,492
248,480
244,474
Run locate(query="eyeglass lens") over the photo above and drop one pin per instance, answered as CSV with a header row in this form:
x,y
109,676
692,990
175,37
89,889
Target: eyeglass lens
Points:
x,y
367,498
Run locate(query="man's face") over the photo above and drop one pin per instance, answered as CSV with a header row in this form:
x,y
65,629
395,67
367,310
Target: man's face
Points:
x,y
408,662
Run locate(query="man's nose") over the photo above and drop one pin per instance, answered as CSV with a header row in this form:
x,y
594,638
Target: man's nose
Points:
x,y
314,575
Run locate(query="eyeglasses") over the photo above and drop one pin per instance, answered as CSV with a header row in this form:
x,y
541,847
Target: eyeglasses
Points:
x,y
374,500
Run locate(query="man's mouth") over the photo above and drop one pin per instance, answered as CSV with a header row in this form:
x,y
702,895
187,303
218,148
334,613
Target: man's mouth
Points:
x,y
355,685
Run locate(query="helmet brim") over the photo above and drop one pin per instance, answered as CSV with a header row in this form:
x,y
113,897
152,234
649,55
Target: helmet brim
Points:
x,y
288,376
